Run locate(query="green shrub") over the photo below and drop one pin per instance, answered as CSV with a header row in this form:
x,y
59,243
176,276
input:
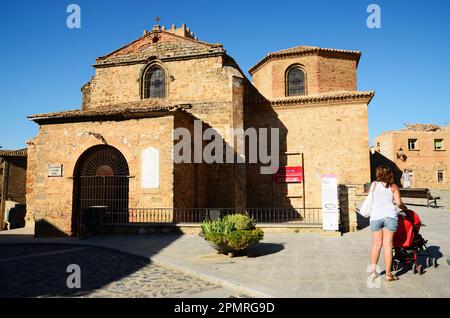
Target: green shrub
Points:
x,y
240,221
240,239
233,232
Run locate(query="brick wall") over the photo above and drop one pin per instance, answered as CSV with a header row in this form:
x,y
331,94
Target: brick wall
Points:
x,y
337,75
323,75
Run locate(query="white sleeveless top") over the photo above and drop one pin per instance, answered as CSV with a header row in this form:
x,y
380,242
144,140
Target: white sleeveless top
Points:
x,y
383,202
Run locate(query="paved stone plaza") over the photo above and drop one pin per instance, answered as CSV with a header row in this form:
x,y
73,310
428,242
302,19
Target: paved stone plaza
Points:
x,y
40,271
282,265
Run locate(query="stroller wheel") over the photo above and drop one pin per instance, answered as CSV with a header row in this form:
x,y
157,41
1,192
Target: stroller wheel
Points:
x,y
429,261
414,268
435,263
395,265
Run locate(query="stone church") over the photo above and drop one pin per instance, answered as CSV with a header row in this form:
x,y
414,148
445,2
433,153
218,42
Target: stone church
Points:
x,y
116,152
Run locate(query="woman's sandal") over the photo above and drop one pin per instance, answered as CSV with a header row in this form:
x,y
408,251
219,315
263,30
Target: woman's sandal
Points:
x,y
373,275
391,277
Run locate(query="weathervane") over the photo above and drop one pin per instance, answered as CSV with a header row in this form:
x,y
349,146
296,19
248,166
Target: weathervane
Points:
x,y
157,19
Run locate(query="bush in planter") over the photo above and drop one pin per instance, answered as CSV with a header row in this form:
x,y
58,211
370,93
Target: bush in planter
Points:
x,y
232,233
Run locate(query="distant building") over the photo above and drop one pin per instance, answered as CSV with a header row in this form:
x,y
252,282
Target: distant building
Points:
x,y
13,167
423,150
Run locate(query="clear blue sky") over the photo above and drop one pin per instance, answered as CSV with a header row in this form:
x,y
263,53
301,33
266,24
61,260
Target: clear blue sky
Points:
x,y
44,64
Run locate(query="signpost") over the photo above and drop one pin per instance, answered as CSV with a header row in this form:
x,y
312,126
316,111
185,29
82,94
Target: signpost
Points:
x,y
330,203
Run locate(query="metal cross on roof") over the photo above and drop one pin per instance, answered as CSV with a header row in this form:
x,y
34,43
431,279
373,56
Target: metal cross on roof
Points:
x,y
157,19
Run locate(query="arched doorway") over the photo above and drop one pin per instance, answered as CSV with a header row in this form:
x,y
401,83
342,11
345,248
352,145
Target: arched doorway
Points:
x,y
101,180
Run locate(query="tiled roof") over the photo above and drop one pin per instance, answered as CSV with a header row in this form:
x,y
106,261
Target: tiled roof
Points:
x,y
168,46
422,127
306,50
14,153
418,128
141,108
343,96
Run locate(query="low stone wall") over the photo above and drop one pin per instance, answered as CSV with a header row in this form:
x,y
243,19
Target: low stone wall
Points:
x,y
348,203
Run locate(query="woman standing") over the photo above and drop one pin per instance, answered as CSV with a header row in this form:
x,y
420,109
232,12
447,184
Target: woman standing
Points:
x,y
383,219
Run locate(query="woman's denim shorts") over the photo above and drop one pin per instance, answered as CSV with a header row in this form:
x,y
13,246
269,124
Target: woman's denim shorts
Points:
x,y
390,224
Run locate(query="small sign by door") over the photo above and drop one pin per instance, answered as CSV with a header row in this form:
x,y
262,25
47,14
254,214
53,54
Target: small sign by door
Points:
x,y
55,170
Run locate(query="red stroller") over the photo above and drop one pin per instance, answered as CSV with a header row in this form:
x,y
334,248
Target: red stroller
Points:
x,y
408,244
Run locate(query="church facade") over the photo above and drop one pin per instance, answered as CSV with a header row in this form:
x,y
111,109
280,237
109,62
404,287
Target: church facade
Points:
x,y
116,152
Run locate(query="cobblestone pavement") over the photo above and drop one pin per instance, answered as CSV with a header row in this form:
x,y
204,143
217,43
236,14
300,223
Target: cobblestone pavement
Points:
x,y
282,265
39,270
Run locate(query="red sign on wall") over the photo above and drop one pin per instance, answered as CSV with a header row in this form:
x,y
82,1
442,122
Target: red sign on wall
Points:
x,y
289,174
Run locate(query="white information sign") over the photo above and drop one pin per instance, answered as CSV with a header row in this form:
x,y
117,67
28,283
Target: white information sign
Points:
x,y
330,203
150,168
55,170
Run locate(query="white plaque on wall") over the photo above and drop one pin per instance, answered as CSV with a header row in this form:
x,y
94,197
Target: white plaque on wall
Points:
x,y
150,168
55,170
330,203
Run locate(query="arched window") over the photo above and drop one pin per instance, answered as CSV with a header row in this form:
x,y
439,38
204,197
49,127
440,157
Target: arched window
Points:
x,y
295,81
154,83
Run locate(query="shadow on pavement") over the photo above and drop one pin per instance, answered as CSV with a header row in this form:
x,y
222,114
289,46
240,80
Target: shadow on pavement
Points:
x,y
435,253
46,275
262,249
41,269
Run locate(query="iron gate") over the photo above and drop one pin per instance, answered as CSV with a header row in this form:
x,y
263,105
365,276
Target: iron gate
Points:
x,y
101,187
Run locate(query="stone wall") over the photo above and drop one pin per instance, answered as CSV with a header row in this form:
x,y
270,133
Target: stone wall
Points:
x,y
12,191
347,205
332,137
1,176
50,199
424,162
213,85
31,181
190,80
217,185
16,179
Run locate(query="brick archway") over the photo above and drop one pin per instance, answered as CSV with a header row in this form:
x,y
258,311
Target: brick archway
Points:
x,y
101,179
